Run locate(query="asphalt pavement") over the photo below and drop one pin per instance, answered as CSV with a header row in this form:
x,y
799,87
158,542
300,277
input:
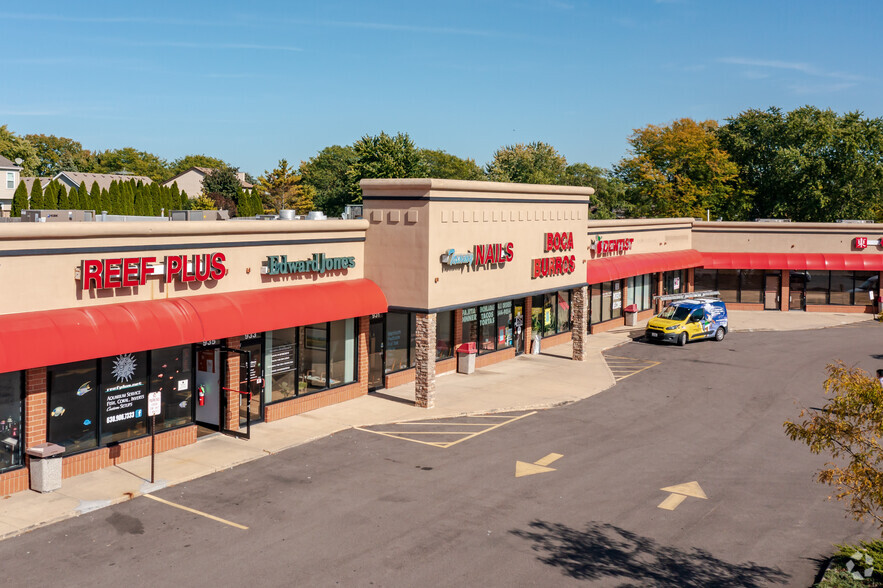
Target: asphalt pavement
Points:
x,y
405,505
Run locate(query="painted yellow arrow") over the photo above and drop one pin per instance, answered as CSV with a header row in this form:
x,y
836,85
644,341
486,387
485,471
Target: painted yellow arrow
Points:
x,y
538,467
679,493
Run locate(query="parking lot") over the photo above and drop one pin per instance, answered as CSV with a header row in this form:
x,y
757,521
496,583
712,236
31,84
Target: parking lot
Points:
x,y
361,508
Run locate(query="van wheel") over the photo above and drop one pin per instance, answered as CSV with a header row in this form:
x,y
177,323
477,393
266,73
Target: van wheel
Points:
x,y
682,339
720,334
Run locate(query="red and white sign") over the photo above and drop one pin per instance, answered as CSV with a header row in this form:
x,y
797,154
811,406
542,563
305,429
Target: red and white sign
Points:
x,y
863,242
608,246
126,272
154,403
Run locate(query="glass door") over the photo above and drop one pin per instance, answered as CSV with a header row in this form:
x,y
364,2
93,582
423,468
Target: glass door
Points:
x,y
519,327
771,292
207,399
376,338
797,291
251,378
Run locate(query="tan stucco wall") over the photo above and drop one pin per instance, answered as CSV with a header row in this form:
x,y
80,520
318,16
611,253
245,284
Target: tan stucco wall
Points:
x,y
784,237
413,222
47,281
653,235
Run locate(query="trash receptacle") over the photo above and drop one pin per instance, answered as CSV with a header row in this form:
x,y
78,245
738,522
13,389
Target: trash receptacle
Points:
x,y
631,315
45,466
466,358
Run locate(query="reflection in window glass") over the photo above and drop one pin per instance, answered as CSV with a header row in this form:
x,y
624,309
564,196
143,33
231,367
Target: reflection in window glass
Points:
x,y
73,405
412,339
704,279
563,311
606,300
279,360
595,302
170,375
728,285
444,335
504,325
536,316
11,429
549,316
817,287
841,286
487,326
616,300
647,293
397,328
752,286
469,325
312,353
343,352
631,290
865,288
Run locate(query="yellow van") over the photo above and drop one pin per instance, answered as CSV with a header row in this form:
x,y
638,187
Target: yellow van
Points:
x,y
689,320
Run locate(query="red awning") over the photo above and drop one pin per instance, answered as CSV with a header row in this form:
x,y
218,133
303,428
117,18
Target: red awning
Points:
x,y
52,337
794,261
615,268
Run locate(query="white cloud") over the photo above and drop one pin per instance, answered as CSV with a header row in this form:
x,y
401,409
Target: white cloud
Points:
x,y
797,66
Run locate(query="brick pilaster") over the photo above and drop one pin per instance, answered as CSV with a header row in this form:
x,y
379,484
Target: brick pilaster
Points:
x,y
691,272
35,406
231,382
580,304
424,389
785,299
659,286
458,328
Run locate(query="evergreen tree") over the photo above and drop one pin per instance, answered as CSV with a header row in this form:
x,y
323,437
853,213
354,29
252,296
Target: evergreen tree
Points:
x,y
36,202
95,201
129,198
153,196
19,200
63,201
138,201
83,200
176,196
185,200
116,199
50,196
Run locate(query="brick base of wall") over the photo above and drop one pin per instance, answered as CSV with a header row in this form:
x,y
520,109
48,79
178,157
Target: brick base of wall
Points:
x,y
288,408
495,357
91,461
444,366
870,309
554,340
399,378
14,481
744,306
607,325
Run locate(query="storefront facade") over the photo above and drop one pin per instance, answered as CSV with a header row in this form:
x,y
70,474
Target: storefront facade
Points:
x,y
234,323
492,264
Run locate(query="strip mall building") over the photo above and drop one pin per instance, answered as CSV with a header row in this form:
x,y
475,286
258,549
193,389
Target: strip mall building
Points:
x,y
309,313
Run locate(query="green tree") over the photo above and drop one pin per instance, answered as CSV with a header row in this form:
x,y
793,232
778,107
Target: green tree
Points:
x,y
58,154
19,200
63,200
36,202
608,201
531,163
203,202
679,170
50,196
96,202
440,164
326,173
182,164
382,156
849,429
808,164
13,147
280,188
131,161
223,187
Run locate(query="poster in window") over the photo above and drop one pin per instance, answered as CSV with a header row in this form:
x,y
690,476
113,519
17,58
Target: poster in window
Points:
x,y
316,337
72,405
282,358
123,405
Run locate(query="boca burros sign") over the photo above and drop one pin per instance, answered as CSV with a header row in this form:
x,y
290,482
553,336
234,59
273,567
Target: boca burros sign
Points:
x,y
556,265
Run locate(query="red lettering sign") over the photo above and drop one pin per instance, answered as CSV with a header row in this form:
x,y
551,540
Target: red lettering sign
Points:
x,y
129,272
861,242
493,253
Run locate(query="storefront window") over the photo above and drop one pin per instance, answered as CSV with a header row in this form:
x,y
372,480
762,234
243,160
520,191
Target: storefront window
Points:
x,y
728,285
752,286
865,288
841,284
444,335
704,279
606,300
563,311
616,308
343,352
73,405
595,302
504,325
549,308
313,352
470,325
412,339
123,403
397,329
487,326
536,316
279,360
11,429
170,375
673,282
817,288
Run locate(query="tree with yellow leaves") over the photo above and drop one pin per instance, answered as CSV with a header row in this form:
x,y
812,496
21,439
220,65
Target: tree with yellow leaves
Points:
x,y
849,428
283,188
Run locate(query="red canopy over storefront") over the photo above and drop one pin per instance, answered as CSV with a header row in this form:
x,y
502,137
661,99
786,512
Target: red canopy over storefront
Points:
x,y
615,268
52,337
794,261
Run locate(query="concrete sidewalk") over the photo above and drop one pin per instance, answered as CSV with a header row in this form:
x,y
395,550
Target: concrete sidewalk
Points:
x,y
520,384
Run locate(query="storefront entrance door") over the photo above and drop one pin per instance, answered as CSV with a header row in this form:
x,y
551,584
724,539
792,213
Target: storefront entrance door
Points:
x,y
251,379
771,292
519,327
375,353
207,396
797,291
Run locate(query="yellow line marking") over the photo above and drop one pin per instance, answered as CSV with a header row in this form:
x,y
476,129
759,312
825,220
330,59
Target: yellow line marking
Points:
x,y
627,366
402,438
672,501
426,432
512,420
444,424
444,445
194,511
548,459
692,489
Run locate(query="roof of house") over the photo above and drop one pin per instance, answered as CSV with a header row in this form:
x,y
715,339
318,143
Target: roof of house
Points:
x,y
205,171
103,180
6,164
29,182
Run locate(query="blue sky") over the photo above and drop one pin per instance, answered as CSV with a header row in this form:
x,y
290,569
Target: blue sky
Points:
x,y
252,82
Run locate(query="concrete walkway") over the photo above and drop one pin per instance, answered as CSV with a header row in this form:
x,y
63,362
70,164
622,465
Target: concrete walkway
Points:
x,y
520,384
